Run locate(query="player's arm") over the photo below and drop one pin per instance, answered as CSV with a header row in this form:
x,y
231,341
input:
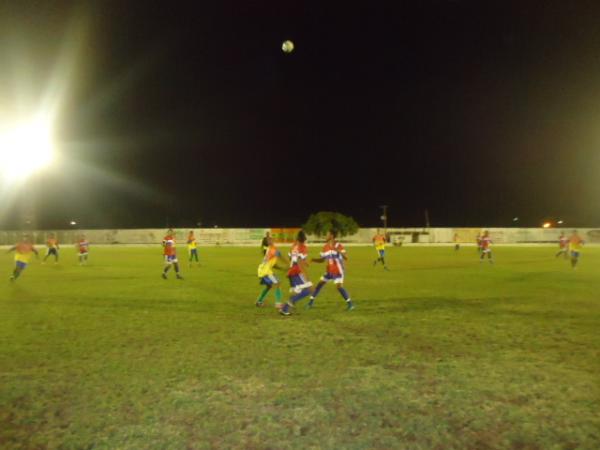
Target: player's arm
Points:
x,y
318,260
37,254
12,249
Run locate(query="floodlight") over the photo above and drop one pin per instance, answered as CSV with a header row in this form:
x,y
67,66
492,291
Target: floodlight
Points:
x,y
25,148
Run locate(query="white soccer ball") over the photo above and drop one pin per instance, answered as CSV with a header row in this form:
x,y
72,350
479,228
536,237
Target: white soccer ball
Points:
x,y
287,46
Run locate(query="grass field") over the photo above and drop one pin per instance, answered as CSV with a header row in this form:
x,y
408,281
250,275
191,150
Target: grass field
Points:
x,y
441,352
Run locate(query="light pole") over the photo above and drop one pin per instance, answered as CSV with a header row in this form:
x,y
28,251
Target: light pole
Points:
x,y
384,219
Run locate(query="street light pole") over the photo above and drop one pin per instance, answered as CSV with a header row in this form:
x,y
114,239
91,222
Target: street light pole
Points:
x,y
384,218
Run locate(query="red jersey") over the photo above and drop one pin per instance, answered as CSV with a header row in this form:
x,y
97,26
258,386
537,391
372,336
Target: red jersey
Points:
x,y
169,245
298,253
333,255
24,248
563,241
83,245
486,242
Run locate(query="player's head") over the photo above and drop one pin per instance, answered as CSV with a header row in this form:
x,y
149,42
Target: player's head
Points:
x,y
170,231
26,237
486,233
378,230
301,236
51,235
332,234
574,231
268,234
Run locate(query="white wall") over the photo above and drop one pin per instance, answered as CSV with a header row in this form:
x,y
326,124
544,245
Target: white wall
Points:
x,y
252,236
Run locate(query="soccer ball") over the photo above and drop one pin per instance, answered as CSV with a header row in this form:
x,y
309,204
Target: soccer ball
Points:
x,y
287,46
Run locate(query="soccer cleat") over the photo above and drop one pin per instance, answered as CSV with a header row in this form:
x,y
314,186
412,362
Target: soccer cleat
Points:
x,y
310,304
260,304
164,275
285,311
350,307
386,268
12,278
179,277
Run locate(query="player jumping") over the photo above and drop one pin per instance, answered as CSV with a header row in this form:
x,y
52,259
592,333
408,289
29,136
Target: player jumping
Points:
x,y
266,275
23,250
334,255
379,243
52,248
192,248
486,247
298,273
170,253
83,247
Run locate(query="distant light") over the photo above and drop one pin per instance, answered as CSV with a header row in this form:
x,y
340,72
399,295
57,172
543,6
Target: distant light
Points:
x,y
287,46
560,222
547,225
25,148
73,222
515,219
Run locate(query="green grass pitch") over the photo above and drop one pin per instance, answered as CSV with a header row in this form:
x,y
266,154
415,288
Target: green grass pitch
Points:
x,y
442,352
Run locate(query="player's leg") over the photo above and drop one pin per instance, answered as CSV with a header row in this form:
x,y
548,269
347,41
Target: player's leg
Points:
x,y
268,283
574,259
47,254
55,256
344,293
317,290
490,257
382,257
167,267
19,267
176,267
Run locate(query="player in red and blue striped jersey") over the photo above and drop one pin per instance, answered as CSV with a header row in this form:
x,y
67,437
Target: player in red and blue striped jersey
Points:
x,y
334,255
563,246
298,273
486,247
83,247
170,253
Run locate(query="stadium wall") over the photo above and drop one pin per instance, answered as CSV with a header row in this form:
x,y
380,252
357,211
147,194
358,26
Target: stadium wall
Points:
x,y
253,236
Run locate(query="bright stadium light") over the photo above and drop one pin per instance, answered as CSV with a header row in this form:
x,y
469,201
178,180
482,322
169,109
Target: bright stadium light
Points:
x,y
547,225
25,148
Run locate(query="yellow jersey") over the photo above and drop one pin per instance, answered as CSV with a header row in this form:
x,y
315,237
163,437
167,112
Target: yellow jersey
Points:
x,y
265,268
379,241
23,252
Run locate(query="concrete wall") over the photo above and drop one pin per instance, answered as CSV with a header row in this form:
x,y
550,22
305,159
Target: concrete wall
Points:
x,y
252,236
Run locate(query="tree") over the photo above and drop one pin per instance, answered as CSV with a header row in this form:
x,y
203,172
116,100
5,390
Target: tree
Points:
x,y
320,223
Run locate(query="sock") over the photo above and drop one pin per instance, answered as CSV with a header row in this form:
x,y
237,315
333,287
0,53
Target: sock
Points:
x,y
383,260
278,295
176,265
344,293
263,294
317,290
296,298
16,273
166,269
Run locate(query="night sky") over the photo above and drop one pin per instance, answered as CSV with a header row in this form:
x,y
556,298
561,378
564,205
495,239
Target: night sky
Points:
x,y
182,113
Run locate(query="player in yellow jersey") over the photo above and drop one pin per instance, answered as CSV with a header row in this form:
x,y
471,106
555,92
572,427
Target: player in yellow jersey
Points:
x,y
23,251
379,243
266,275
192,248
575,243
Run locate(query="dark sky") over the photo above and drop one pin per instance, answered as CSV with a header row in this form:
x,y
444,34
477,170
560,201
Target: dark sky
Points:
x,y
185,112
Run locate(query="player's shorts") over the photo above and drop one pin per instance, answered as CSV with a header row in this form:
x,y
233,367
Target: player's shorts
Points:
x,y
52,251
336,278
83,253
21,264
574,254
171,259
269,280
381,253
486,250
298,283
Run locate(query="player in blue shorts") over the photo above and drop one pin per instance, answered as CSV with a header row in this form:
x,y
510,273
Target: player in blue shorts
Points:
x,y
298,273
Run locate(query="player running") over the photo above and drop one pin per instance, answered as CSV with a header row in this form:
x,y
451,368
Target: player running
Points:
x,y
298,273
379,243
83,247
192,248
575,243
334,255
479,241
23,250
266,275
563,246
264,245
486,247
170,253
52,248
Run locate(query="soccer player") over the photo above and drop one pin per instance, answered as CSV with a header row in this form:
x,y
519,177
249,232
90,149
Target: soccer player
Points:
x,y
575,243
486,247
479,241
266,275
456,242
265,243
298,273
192,248
83,247
23,250
379,243
170,253
334,255
52,248
563,246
